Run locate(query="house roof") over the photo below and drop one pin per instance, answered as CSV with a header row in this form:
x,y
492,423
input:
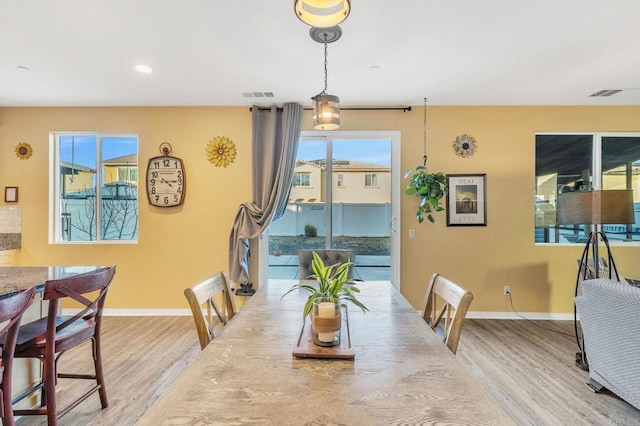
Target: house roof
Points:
x,y
73,168
124,160
216,53
349,165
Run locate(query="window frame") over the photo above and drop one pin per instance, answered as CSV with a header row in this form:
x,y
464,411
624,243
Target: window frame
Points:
x,y
55,213
596,176
297,182
373,178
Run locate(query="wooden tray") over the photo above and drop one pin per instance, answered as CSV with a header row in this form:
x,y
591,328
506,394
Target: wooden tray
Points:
x,y
305,348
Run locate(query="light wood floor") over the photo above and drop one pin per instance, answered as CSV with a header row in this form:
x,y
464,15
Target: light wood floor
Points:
x,y
526,368
530,371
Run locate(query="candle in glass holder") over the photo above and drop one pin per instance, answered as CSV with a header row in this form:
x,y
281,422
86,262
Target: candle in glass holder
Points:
x,y
327,310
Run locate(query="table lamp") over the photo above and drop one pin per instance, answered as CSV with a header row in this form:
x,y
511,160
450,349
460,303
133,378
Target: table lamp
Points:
x,y
594,207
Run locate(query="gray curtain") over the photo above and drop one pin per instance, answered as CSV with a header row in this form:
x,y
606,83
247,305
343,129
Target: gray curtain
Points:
x,y
275,146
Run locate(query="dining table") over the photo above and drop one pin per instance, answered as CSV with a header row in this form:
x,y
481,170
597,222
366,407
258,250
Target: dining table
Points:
x,y
399,373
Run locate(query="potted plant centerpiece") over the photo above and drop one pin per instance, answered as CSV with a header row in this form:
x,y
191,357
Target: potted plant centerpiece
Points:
x,y
323,304
430,187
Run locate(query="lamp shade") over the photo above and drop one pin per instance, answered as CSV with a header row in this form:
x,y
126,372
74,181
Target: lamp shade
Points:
x,y
326,112
322,13
613,206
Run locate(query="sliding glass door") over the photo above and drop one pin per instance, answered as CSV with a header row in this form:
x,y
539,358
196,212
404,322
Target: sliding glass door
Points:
x,y
342,197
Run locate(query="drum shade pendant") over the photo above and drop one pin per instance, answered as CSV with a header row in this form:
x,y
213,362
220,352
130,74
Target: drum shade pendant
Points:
x,y
326,107
322,13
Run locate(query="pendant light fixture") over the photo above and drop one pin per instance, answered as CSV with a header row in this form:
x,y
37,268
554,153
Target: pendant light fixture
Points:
x,y
322,13
326,107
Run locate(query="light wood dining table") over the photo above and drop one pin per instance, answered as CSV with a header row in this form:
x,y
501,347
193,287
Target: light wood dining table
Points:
x,y
401,374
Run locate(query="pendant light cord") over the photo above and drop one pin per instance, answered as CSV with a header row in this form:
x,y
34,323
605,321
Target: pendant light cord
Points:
x,y
425,132
325,64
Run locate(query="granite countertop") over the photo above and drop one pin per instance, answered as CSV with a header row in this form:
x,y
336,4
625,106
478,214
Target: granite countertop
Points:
x,y
16,278
10,241
10,228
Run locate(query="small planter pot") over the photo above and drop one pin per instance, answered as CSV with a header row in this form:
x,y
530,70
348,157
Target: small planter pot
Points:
x,y
325,321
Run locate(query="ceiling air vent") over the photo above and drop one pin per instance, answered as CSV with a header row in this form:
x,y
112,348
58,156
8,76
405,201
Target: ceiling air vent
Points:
x,y
607,92
258,94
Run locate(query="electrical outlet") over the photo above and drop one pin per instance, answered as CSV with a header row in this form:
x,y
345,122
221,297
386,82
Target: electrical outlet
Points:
x,y
506,291
412,233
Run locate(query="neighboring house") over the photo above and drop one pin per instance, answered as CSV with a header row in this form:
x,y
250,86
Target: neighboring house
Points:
x,y
308,183
353,182
75,177
123,169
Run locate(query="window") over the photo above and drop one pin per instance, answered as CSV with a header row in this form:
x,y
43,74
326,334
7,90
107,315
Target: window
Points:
x,y
302,179
95,194
340,180
579,162
370,179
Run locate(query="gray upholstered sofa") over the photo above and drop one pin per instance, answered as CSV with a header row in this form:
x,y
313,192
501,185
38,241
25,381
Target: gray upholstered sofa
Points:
x,y
609,314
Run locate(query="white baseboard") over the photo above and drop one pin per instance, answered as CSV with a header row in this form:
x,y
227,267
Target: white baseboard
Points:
x,y
521,315
136,312
187,312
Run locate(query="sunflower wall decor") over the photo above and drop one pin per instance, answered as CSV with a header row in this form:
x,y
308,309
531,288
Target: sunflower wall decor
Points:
x,y
465,145
23,151
221,151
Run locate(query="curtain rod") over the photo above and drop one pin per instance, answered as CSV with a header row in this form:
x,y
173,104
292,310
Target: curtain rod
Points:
x,y
403,109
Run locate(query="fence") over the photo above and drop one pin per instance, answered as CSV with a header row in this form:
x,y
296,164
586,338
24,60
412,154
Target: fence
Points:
x,y
351,220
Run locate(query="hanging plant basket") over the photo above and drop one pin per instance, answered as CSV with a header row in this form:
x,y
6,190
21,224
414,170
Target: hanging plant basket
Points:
x,y
430,187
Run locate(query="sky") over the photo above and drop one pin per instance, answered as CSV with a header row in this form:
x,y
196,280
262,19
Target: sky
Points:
x,y
81,149
367,151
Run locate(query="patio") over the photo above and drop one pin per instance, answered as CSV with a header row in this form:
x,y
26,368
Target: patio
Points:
x,y
366,267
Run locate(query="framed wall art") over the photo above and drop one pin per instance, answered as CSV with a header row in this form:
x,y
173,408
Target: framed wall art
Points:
x,y
10,194
467,200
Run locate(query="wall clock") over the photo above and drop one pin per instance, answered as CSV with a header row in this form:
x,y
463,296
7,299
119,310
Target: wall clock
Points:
x,y
165,179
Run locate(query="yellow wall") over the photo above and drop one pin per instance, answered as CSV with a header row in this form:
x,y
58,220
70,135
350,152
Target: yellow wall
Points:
x,y
178,247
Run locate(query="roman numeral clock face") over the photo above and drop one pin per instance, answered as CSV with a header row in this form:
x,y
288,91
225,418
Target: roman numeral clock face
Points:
x,y
165,181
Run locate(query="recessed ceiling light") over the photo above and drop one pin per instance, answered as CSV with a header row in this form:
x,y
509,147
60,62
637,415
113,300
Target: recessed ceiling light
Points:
x,y
374,68
143,69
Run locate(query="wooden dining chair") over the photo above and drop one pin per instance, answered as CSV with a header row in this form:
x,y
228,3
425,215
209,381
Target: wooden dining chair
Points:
x,y
11,310
50,337
205,293
445,308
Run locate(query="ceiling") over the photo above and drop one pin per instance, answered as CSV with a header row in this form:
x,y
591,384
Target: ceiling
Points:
x,y
392,53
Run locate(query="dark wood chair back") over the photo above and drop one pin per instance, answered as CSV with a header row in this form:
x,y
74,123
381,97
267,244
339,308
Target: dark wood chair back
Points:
x,y
205,293
78,288
46,337
11,310
445,308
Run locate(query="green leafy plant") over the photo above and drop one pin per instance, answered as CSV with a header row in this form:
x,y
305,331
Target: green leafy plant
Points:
x,y
331,282
430,187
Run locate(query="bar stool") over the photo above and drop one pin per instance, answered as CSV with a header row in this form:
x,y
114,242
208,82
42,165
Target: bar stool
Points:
x,y
11,310
49,338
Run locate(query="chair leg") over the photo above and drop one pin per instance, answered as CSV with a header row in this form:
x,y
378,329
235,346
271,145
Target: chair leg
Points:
x,y
97,362
7,410
50,390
